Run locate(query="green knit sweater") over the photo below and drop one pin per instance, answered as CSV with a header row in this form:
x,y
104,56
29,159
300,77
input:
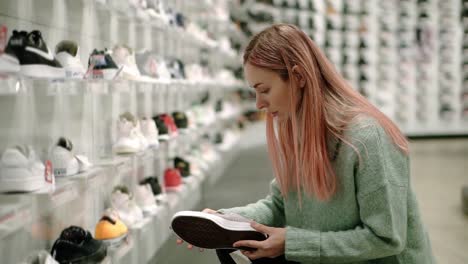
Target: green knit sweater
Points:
x,y
373,217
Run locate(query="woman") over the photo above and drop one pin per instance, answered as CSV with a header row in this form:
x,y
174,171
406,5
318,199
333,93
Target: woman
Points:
x,y
342,190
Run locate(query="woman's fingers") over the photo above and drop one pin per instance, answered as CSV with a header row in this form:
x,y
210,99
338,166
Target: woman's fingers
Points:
x,y
209,211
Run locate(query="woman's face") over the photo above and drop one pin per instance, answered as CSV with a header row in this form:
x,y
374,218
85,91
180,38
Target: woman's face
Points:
x,y
272,93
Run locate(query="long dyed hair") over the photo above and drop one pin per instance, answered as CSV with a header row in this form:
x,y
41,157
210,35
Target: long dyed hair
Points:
x,y
323,108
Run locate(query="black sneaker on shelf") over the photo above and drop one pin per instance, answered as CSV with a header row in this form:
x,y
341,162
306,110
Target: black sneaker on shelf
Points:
x,y
219,106
162,128
180,119
183,166
9,63
34,57
154,183
76,245
101,66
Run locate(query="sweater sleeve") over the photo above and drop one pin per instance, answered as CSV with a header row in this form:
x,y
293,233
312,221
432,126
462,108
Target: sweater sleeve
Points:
x,y
268,211
381,179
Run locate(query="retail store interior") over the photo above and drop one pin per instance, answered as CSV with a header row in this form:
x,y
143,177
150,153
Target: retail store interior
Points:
x,y
129,111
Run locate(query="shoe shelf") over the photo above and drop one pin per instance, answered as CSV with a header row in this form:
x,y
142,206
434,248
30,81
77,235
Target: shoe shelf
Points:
x,y
83,197
405,56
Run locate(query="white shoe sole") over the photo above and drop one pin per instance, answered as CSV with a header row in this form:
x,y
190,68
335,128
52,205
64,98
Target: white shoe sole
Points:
x,y
9,64
42,71
115,242
211,231
19,180
125,149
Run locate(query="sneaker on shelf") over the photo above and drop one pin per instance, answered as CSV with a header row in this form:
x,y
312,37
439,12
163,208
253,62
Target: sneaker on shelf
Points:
x,y
147,64
64,162
183,166
164,73
150,131
110,229
181,121
172,180
169,121
102,66
153,183
124,57
214,231
9,62
145,199
21,170
162,128
40,257
34,57
67,53
129,137
122,201
76,245
176,69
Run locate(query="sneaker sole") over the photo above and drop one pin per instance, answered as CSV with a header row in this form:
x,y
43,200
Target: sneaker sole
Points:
x,y
19,180
213,232
42,71
115,242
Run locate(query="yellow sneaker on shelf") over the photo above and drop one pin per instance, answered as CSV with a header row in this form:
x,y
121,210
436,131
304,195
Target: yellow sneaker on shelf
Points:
x,y
110,229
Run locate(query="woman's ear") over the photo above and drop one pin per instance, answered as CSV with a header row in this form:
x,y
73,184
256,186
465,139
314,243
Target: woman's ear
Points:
x,y
299,76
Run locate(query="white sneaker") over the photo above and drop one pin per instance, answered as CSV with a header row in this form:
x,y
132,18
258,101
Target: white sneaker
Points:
x,y
41,257
150,131
129,212
67,53
214,231
125,59
129,138
63,160
21,170
145,199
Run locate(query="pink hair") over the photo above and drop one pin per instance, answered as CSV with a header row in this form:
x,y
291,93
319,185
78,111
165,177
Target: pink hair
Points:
x,y
323,108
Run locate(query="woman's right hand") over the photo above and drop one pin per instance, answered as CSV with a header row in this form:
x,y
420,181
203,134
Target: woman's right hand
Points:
x,y
180,241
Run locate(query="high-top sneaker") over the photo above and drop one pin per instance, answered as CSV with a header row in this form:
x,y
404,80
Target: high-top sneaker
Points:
x,y
35,58
9,63
101,66
67,53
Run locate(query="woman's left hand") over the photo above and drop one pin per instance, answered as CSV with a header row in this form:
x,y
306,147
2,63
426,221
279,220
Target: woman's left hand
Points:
x,y
272,247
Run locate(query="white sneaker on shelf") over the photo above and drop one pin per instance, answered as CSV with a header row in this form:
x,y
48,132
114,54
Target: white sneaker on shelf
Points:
x,y
41,257
124,57
21,170
145,199
150,131
129,138
67,53
65,162
129,212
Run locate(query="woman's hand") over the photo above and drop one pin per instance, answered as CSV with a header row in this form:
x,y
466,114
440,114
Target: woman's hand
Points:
x,y
272,247
180,241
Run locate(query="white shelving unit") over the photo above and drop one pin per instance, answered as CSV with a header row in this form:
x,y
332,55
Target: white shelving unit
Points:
x,y
38,111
